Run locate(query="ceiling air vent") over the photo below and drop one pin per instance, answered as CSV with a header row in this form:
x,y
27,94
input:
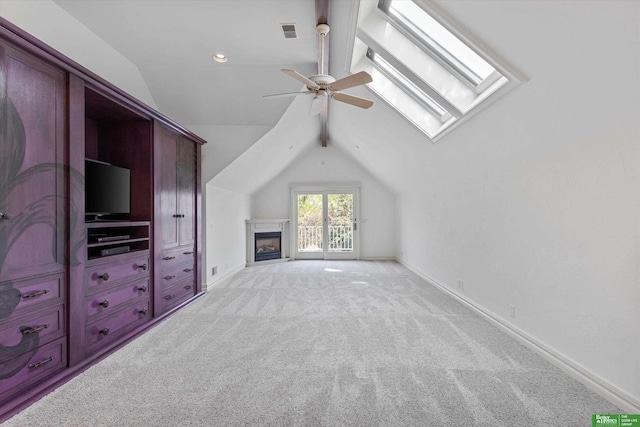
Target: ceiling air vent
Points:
x,y
289,31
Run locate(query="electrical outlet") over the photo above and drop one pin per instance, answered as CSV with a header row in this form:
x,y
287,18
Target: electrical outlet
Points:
x,y
461,285
214,270
512,310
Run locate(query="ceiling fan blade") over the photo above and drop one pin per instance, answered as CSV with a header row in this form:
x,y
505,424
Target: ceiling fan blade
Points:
x,y
318,102
310,84
288,94
352,100
356,79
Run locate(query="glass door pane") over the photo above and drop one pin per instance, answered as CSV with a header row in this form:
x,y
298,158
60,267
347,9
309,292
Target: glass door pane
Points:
x,y
310,230
340,223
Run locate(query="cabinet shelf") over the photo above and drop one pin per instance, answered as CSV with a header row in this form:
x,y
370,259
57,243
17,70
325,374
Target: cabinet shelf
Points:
x,y
135,237
115,242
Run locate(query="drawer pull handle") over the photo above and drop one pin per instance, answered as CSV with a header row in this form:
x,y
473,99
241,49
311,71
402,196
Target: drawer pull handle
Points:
x,y
178,216
143,267
167,258
28,331
168,277
188,270
142,288
4,216
144,311
188,287
40,363
168,297
104,331
104,303
35,294
104,276
188,253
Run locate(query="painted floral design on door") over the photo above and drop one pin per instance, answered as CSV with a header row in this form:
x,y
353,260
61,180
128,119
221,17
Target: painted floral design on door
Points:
x,y
36,210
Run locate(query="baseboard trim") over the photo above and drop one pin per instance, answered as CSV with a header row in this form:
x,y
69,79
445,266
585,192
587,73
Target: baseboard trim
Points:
x,y
378,258
227,276
570,367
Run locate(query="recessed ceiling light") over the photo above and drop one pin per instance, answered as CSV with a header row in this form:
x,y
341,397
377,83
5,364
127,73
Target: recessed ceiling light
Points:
x,y
219,57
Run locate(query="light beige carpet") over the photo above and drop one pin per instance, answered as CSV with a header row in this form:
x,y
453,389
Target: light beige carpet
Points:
x,y
321,343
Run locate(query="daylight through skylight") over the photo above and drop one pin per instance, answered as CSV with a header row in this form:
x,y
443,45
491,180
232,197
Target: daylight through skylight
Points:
x,y
415,52
438,38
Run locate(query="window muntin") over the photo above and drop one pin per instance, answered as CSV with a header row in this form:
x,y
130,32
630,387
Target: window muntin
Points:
x,y
400,80
422,76
386,37
407,106
411,18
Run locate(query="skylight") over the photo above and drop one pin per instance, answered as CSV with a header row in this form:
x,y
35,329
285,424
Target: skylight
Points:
x,y
421,66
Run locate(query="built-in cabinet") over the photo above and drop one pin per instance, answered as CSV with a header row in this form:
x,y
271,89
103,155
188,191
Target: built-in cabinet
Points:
x,y
33,279
175,157
74,288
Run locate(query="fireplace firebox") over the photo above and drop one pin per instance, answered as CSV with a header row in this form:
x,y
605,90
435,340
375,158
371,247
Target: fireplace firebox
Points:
x,y
267,246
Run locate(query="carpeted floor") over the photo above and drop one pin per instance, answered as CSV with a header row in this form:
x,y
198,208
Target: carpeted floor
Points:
x,y
321,343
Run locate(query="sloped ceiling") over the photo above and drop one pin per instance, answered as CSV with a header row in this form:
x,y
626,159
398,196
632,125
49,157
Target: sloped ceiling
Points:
x,y
552,43
293,135
580,59
172,42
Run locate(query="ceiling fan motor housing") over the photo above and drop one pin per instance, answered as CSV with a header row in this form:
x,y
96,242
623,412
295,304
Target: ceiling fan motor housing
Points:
x,y
322,80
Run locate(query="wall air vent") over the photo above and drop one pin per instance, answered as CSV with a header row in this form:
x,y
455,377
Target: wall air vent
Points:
x,y
289,31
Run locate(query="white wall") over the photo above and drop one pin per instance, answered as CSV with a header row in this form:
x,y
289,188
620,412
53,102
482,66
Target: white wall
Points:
x,y
326,166
535,202
225,231
224,145
53,25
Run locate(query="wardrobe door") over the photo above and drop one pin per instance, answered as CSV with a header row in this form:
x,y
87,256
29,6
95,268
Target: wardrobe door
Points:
x,y
33,277
32,132
166,161
186,191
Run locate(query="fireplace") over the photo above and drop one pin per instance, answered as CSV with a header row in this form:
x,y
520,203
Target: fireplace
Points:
x,y
267,240
268,246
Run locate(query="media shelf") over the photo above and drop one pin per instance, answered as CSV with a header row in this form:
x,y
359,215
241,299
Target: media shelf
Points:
x,y
113,238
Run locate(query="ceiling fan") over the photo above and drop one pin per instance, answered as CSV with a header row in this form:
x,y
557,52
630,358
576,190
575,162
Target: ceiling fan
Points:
x,y
324,86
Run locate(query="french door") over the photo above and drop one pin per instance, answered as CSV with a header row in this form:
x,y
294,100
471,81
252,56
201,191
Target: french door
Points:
x,y
325,223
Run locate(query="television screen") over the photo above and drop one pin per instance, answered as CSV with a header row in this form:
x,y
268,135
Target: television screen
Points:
x,y
107,188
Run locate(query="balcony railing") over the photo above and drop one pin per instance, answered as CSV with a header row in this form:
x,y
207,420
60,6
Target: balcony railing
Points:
x,y
340,238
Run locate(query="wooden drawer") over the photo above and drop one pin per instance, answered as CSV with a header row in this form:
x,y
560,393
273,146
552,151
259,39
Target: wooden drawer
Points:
x,y
107,330
170,259
32,367
108,274
172,277
29,293
33,329
174,295
104,303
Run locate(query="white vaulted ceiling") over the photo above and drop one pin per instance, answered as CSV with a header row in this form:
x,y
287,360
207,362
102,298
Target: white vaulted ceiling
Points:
x,y
549,43
172,42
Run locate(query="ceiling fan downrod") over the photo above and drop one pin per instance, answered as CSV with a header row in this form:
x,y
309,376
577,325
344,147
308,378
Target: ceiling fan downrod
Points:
x,y
322,30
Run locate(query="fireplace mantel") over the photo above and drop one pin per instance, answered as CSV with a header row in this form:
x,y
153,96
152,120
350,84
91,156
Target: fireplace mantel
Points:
x,y
265,226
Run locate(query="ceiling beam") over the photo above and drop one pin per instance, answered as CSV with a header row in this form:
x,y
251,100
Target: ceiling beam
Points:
x,y
322,17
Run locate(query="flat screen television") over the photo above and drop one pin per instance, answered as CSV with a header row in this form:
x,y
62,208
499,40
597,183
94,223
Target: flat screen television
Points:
x,y
107,191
